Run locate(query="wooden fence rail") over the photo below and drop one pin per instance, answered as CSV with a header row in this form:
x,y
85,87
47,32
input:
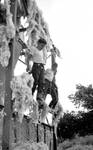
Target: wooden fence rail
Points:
x,y
29,131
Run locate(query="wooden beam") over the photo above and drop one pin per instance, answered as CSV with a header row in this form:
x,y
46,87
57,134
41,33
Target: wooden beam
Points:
x,y
24,46
54,140
22,61
9,71
53,60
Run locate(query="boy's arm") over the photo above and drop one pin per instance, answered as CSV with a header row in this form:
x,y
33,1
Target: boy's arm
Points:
x,y
29,57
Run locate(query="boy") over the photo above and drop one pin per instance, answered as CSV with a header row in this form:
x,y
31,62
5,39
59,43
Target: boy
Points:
x,y
38,55
49,87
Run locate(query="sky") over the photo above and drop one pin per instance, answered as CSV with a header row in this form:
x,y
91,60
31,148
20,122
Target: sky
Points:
x,y
71,29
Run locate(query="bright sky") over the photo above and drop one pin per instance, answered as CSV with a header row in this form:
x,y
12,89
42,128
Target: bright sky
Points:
x,y
71,28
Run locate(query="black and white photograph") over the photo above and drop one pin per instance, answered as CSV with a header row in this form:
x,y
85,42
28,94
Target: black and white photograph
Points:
x,y
46,76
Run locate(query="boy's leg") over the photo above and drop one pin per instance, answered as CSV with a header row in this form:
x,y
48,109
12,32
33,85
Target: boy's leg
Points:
x,y
35,74
27,60
41,80
44,113
54,95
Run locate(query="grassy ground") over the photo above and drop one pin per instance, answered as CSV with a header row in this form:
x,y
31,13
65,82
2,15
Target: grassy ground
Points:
x,y
78,143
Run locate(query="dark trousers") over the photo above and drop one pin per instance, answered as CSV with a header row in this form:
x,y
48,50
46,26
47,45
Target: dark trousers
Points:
x,y
54,95
41,94
48,88
38,75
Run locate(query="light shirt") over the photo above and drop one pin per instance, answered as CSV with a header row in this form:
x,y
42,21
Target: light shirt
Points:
x,y
38,56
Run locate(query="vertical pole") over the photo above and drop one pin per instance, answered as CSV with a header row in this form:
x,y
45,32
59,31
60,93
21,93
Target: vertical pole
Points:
x,y
37,134
54,140
9,70
53,60
44,133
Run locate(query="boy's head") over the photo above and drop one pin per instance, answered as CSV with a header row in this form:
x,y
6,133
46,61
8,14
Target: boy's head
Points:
x,y
41,43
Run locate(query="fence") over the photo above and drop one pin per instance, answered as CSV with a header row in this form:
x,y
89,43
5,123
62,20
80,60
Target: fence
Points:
x,y
29,131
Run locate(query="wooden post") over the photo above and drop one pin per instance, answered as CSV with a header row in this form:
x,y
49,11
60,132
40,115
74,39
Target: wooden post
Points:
x,y
53,60
54,140
9,71
37,134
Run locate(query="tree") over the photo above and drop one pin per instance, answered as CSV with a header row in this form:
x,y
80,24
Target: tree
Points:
x,y
83,96
75,124
67,126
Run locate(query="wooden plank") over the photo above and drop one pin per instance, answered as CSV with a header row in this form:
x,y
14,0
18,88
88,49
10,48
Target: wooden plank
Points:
x,y
54,141
9,70
53,61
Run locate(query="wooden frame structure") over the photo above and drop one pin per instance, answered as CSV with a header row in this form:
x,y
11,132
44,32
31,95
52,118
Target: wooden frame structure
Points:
x,y
6,75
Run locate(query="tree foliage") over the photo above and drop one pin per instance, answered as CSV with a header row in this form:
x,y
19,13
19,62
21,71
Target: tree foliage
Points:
x,y
66,126
72,124
83,96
